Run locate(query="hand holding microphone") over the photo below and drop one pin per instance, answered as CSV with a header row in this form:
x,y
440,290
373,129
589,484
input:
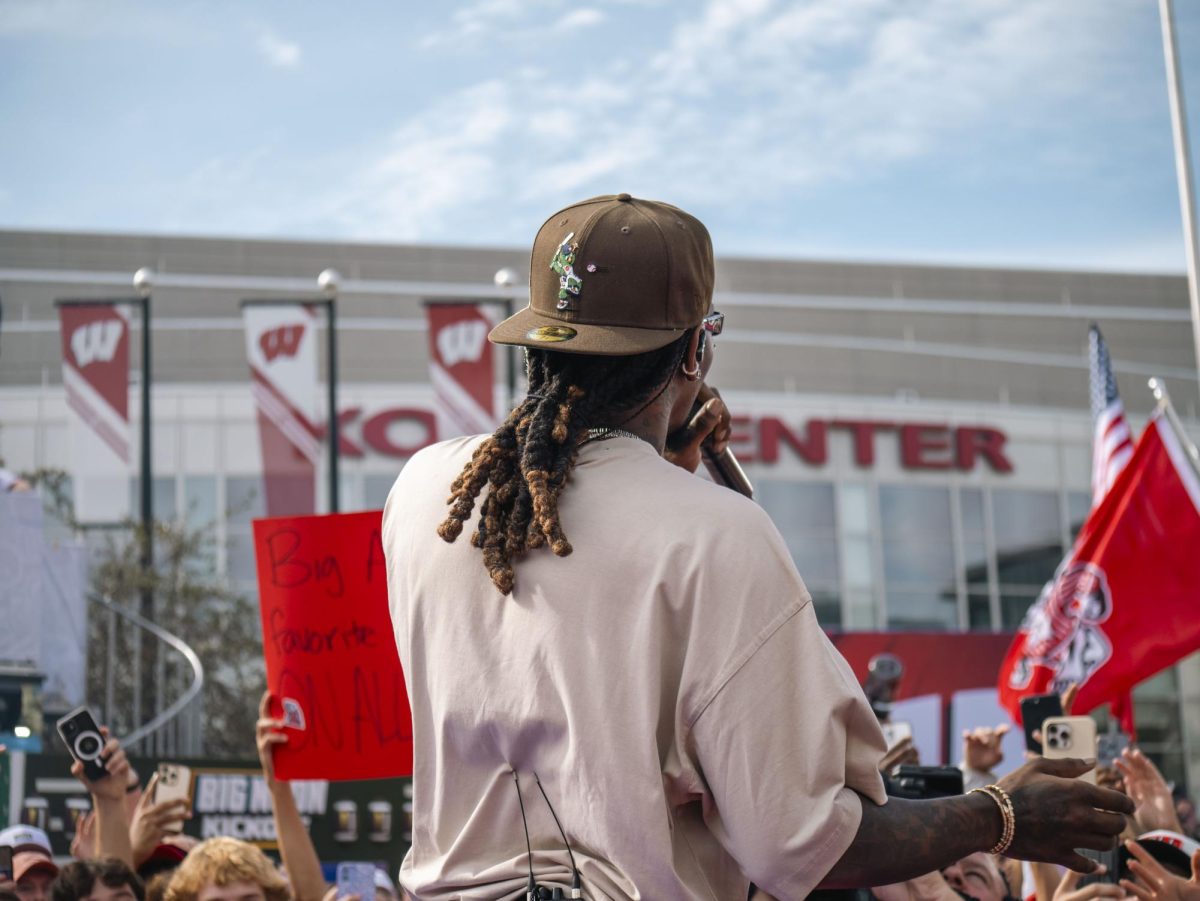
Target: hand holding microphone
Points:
x,y
705,439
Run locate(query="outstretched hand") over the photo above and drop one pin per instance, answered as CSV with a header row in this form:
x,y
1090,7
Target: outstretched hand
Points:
x,y
1057,813
981,748
1149,791
112,787
267,735
1154,883
1069,890
148,827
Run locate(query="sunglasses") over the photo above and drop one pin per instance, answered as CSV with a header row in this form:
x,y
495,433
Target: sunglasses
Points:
x,y
713,323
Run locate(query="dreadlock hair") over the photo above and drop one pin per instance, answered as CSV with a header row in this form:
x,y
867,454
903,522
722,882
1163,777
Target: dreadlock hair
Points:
x,y
526,462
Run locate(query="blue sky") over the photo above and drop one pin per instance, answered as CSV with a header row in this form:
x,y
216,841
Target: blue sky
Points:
x,y
1012,133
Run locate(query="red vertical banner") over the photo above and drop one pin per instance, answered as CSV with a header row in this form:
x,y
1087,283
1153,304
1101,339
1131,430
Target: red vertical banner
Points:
x,y
330,652
281,347
95,352
461,369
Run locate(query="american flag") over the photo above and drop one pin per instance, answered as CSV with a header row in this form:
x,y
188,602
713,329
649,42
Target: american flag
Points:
x,y
1112,442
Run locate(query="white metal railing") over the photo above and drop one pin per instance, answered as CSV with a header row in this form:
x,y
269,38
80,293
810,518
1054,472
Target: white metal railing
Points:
x,y
176,729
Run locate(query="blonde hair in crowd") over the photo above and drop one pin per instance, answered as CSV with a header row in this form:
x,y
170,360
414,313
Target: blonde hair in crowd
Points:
x,y
224,861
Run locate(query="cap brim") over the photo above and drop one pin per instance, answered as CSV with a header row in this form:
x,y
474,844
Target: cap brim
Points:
x,y
27,862
528,328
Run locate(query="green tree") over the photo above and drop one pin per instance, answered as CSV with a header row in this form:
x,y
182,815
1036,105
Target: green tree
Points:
x,y
192,601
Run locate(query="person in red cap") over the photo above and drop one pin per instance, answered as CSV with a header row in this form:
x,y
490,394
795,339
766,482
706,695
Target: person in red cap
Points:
x,y
33,866
619,686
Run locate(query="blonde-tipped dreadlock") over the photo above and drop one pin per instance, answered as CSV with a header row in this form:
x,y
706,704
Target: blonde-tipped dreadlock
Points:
x,y
526,462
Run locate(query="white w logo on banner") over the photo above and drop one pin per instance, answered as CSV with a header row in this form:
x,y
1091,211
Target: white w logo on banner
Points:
x,y
462,341
96,341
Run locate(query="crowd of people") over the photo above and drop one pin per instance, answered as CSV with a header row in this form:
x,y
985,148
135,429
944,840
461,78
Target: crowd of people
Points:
x,y
125,849
129,847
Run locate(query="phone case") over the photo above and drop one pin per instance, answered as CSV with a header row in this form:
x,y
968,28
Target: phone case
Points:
x,y
356,879
1070,736
82,737
894,733
174,782
1034,711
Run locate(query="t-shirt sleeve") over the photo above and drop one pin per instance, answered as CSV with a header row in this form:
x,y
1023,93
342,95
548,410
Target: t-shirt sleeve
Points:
x,y
786,747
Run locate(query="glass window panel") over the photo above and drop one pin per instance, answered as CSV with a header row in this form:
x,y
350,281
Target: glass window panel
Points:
x,y
239,559
375,490
200,500
827,606
804,514
918,556
975,561
921,610
1028,547
979,611
243,498
165,507
1079,505
855,509
970,501
913,510
857,567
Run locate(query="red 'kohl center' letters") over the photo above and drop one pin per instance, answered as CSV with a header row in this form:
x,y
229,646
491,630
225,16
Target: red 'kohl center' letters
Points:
x,y
760,439
930,446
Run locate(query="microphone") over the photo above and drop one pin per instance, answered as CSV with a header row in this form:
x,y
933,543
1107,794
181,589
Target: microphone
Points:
x,y
723,468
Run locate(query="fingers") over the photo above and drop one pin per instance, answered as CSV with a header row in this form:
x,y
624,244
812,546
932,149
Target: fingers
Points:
x,y
1065,767
1105,799
1078,863
264,705
147,797
267,724
1001,730
1069,882
1137,891
1196,866
1144,861
702,424
1099,890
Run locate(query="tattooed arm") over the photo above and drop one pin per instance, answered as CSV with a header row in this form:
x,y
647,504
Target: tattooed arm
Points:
x,y
1055,814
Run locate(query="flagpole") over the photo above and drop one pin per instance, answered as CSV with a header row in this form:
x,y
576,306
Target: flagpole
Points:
x,y
1159,389
1183,165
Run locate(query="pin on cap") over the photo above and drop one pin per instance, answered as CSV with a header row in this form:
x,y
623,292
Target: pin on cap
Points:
x,y
614,275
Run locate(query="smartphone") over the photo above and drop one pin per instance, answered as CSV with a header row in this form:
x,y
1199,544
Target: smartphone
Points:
x,y
356,879
1034,711
894,733
173,781
1070,736
6,866
1109,747
82,737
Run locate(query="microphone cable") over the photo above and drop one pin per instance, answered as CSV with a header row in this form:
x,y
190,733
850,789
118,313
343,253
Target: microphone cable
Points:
x,y
576,885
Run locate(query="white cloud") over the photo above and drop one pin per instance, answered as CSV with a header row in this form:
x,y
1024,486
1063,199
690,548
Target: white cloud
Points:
x,y
580,18
278,52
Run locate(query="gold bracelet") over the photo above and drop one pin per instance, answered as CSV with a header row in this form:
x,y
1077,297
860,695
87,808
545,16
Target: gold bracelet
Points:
x,y
1004,802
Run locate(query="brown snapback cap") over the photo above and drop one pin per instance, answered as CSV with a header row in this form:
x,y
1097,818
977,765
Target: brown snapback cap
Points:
x,y
614,275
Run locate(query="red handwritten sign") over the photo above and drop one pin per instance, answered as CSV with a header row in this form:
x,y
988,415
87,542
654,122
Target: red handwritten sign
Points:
x,y
329,648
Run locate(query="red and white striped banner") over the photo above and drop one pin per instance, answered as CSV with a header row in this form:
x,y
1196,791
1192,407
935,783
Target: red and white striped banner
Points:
x,y
460,368
95,352
281,347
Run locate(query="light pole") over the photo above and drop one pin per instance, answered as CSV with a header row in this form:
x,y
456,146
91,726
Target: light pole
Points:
x,y
330,281
149,660
506,279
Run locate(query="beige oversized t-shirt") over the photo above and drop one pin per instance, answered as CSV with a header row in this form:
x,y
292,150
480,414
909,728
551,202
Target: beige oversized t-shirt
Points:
x,y
691,724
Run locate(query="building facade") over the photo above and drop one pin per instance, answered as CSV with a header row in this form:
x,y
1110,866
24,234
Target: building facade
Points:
x,y
920,435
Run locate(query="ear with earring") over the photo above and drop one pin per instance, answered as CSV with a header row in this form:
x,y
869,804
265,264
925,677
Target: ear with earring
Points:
x,y
693,374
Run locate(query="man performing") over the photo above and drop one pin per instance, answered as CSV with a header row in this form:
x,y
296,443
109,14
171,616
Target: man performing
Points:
x,y
619,688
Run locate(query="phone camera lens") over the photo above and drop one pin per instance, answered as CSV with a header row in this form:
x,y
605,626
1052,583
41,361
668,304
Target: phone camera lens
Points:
x,y
88,745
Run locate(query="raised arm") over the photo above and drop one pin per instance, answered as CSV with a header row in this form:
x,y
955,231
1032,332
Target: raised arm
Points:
x,y
1055,814
295,844
108,800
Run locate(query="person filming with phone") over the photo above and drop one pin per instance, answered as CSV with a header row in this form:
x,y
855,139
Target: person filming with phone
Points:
x,y
619,687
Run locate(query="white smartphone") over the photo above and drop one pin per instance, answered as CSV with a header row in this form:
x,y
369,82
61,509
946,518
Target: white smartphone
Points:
x,y
894,733
174,782
1070,736
356,879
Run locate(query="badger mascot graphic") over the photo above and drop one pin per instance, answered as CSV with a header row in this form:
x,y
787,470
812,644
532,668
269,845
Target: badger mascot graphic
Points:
x,y
1062,630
